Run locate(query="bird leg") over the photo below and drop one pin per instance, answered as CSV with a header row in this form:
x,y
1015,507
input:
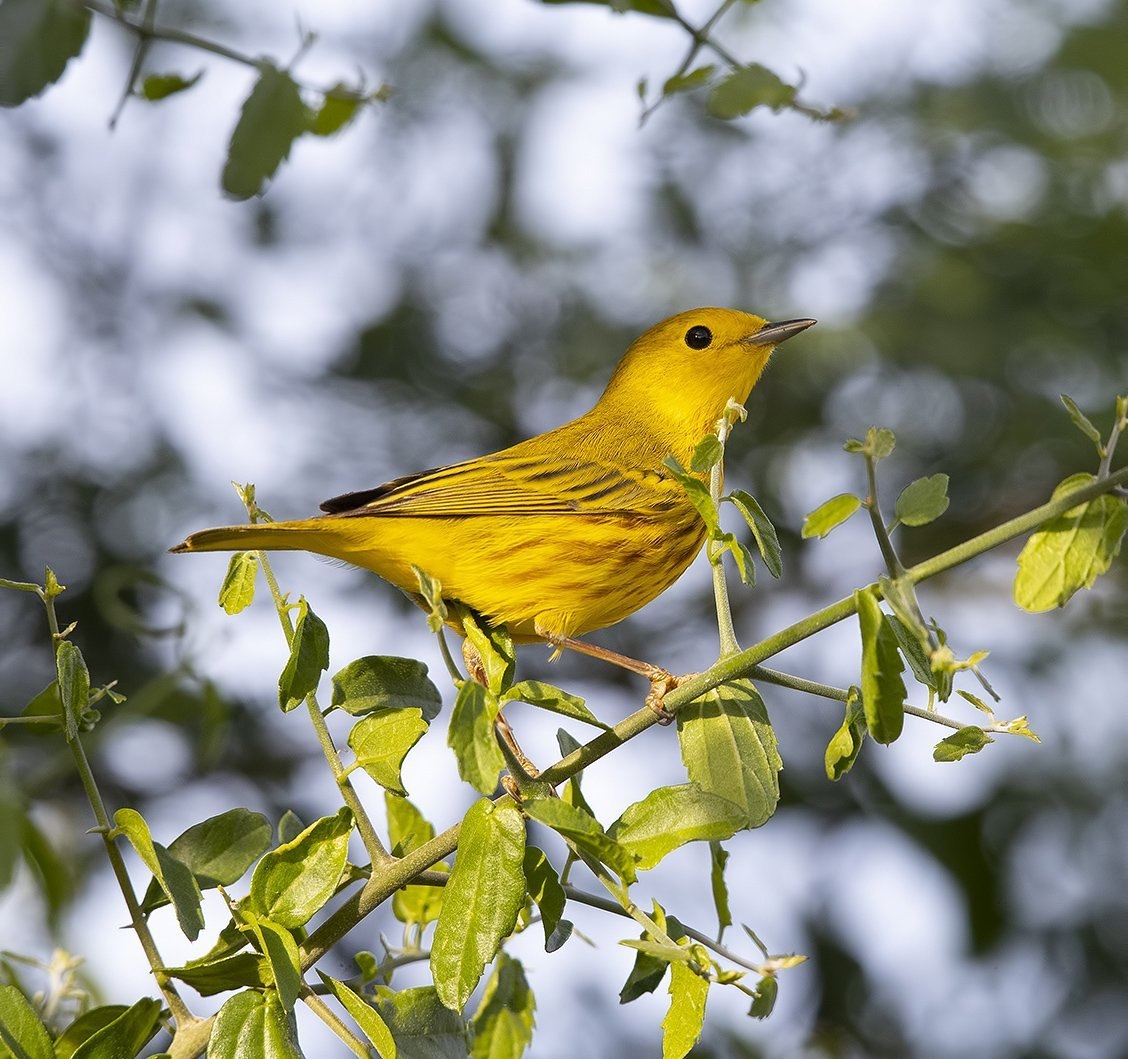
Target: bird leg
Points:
x,y
662,681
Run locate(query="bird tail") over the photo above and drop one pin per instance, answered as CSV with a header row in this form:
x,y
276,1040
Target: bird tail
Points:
x,y
308,535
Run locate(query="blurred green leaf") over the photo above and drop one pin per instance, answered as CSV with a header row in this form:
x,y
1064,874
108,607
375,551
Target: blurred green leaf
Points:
x,y
729,749
767,992
84,1027
503,1023
272,118
747,88
968,740
238,589
381,682
408,829
161,86
669,817
483,898
1071,551
923,501
471,737
644,7
913,650
382,740
829,515
253,1025
338,108
173,876
37,40
1082,422
309,658
293,881
688,82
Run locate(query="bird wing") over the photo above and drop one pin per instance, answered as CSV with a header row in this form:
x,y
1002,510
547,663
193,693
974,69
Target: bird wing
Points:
x,y
508,484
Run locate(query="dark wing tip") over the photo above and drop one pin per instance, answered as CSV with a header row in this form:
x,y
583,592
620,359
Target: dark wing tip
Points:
x,y
340,505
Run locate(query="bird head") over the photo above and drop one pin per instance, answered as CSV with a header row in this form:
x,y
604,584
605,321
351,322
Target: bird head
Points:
x,y
676,379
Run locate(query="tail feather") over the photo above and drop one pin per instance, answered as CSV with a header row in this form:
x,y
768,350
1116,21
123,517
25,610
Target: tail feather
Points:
x,y
265,536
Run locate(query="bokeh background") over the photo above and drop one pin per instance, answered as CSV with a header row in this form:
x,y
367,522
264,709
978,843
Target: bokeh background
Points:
x,y
462,268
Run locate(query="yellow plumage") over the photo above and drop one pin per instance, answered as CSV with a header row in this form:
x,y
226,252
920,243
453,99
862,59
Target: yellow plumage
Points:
x,y
571,530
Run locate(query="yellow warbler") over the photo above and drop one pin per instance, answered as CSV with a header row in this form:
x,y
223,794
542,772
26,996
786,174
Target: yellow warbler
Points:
x,y
571,530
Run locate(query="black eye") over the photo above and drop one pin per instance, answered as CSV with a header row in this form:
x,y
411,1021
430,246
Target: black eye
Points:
x,y
698,337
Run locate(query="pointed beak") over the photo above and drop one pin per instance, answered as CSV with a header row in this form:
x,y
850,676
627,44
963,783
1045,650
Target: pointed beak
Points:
x,y
773,334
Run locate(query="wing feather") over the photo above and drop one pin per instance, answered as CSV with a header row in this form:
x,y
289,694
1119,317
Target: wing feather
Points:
x,y
516,485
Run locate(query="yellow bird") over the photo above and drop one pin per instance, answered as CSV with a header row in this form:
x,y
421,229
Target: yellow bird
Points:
x,y
568,531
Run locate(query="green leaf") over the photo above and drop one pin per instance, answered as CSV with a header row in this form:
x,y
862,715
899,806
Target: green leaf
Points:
x,y
767,990
706,453
548,697
483,898
1070,552
729,748
221,975
382,740
272,118
84,1027
289,826
923,500
365,1015
669,817
126,1035
281,952
681,1028
172,875
976,701
968,740
309,658
337,109
883,690
407,831
584,831
645,7
432,594
238,589
217,851
494,646
742,555
422,1027
21,1028
698,494
648,971
844,746
293,881
74,686
913,650
503,1023
762,530
828,516
471,737
253,1025
37,40
543,886
879,443
747,88
1083,423
385,682
688,82
161,86
718,858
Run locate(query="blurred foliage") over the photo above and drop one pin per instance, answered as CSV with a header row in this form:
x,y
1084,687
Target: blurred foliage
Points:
x,y
999,269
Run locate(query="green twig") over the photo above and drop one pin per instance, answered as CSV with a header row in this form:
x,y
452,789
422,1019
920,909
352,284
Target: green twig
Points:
x,y
331,1019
